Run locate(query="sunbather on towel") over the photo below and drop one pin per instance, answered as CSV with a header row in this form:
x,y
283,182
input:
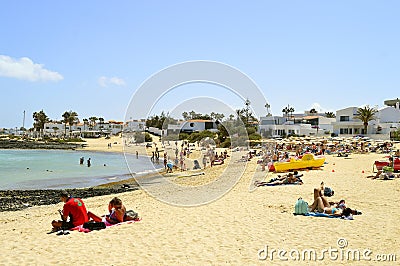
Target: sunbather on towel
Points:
x,y
290,179
117,213
323,206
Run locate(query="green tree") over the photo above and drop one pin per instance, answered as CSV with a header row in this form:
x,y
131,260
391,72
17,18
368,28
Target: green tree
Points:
x,y
85,123
330,115
147,137
40,119
92,120
101,122
366,114
139,137
70,118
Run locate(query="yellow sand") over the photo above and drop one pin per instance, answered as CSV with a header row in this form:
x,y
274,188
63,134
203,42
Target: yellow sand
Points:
x,y
228,231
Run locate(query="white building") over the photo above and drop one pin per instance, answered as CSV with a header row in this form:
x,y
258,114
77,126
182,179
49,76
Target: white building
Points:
x,y
135,125
279,126
387,120
194,125
58,129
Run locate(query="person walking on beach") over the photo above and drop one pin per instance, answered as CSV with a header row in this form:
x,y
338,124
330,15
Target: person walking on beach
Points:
x,y
74,213
89,163
81,160
204,161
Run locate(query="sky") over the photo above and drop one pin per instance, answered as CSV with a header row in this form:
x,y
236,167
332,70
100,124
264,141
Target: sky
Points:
x,y
92,56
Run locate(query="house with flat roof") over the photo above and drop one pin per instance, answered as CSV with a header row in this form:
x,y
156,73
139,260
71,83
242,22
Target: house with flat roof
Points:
x,y
193,125
387,119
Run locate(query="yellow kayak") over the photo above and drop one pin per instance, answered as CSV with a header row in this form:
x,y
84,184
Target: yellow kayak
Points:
x,y
307,161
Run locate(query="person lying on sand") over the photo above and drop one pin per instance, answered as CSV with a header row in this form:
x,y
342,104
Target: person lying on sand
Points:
x,y
323,206
284,180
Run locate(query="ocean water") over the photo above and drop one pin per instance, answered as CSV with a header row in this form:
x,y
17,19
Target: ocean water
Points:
x,y
58,169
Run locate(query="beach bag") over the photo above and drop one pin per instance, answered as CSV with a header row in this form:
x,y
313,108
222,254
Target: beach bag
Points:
x,y
301,207
94,225
328,192
134,215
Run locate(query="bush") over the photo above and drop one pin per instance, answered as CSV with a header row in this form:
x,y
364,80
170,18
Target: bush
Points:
x,y
183,136
147,137
226,143
251,130
255,136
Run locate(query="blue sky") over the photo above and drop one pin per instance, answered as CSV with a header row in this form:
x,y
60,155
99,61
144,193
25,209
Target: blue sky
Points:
x,y
91,56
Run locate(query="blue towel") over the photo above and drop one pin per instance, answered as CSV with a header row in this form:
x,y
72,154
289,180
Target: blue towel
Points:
x,y
317,214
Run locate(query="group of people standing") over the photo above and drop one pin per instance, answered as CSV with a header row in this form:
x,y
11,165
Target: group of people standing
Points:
x,y
82,160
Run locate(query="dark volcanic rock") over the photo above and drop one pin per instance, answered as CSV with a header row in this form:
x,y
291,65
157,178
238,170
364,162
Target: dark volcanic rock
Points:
x,y
13,200
16,144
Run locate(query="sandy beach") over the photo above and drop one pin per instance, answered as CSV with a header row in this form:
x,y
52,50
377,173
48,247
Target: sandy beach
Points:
x,y
236,229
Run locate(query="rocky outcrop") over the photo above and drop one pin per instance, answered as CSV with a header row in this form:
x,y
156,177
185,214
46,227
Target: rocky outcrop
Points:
x,y
13,200
18,144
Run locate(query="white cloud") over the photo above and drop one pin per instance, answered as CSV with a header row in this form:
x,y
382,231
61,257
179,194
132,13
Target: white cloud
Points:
x,y
24,68
106,81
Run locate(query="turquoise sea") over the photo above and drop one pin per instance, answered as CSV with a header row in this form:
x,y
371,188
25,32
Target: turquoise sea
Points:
x,y
58,169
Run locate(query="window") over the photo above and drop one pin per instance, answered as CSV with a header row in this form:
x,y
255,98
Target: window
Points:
x,y
344,118
209,125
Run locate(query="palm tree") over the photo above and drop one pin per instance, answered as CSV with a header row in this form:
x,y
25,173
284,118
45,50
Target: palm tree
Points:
x,y
330,115
267,106
40,119
93,120
70,118
286,112
366,114
101,121
85,122
291,111
313,111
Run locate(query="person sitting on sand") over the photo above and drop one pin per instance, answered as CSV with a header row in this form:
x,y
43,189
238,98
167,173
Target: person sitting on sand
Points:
x,y
74,209
117,213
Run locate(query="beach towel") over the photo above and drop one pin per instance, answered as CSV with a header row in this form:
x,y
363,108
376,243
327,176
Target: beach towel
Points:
x,y
81,229
318,214
268,184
